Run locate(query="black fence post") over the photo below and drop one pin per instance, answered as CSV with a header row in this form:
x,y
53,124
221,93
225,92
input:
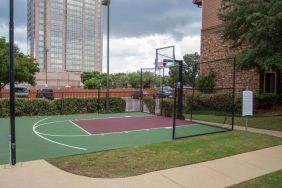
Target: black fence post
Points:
x,y
63,103
193,94
180,92
162,101
174,112
234,93
98,100
141,91
12,87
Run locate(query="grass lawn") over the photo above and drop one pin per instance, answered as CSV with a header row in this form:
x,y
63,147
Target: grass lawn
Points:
x,y
139,160
272,180
270,123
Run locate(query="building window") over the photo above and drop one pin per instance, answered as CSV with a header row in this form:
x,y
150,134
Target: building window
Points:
x,y
270,82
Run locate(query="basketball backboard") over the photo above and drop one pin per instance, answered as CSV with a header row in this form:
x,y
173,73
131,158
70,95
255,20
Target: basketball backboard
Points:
x,y
165,57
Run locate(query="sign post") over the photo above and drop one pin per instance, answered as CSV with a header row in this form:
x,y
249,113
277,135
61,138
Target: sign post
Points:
x,y
247,110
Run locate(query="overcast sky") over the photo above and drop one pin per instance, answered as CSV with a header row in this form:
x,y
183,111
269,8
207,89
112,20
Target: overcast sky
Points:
x,y
138,27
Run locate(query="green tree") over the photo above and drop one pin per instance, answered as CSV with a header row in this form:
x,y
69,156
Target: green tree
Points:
x,y
119,80
134,79
149,79
92,83
96,79
191,67
25,66
255,29
89,75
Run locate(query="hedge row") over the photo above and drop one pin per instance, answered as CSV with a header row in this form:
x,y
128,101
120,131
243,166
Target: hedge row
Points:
x,y
218,103
210,102
33,107
223,102
267,101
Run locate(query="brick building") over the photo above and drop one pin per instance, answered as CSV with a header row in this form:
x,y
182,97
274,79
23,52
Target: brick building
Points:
x,y
213,48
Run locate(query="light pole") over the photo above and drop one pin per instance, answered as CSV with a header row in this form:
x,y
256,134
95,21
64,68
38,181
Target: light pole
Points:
x,y
12,87
46,68
107,3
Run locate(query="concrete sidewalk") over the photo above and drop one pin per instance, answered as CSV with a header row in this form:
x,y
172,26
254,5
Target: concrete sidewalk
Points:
x,y
250,129
260,131
217,173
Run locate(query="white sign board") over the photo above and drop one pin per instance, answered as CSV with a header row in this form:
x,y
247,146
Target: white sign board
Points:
x,y
247,103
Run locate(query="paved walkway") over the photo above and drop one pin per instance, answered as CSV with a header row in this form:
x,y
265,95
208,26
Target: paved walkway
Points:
x,y
217,173
250,129
261,131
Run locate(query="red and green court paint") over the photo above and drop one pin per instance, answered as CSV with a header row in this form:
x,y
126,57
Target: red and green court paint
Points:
x,y
56,136
126,124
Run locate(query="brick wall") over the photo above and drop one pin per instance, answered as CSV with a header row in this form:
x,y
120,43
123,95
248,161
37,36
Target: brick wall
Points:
x,y
210,9
213,48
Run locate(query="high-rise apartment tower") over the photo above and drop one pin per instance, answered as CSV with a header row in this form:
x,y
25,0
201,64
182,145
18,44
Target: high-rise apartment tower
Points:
x,y
65,37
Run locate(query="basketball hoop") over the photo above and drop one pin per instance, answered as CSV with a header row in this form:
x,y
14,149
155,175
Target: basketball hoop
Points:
x,y
165,57
160,64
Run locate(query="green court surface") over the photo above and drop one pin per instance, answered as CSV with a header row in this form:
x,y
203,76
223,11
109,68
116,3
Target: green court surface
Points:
x,y
56,136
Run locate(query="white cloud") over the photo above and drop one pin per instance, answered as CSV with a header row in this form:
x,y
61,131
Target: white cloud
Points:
x,y
20,38
126,54
20,35
4,30
131,54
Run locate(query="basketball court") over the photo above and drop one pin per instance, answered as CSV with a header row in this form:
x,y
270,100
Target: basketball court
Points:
x,y
57,136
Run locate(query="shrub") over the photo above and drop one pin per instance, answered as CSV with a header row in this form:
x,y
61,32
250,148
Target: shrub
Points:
x,y
92,105
150,103
58,106
267,100
167,107
188,102
74,105
32,107
223,102
238,105
279,101
26,107
211,102
4,108
206,84
116,104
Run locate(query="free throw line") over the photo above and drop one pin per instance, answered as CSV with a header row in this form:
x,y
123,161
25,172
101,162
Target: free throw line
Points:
x,y
79,127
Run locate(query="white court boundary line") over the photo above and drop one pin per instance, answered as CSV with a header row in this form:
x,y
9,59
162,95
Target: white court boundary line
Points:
x,y
102,134
126,132
62,121
40,134
35,125
62,135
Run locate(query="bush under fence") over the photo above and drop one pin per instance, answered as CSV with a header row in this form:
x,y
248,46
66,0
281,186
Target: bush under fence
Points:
x,y
202,102
38,107
167,107
223,102
150,103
